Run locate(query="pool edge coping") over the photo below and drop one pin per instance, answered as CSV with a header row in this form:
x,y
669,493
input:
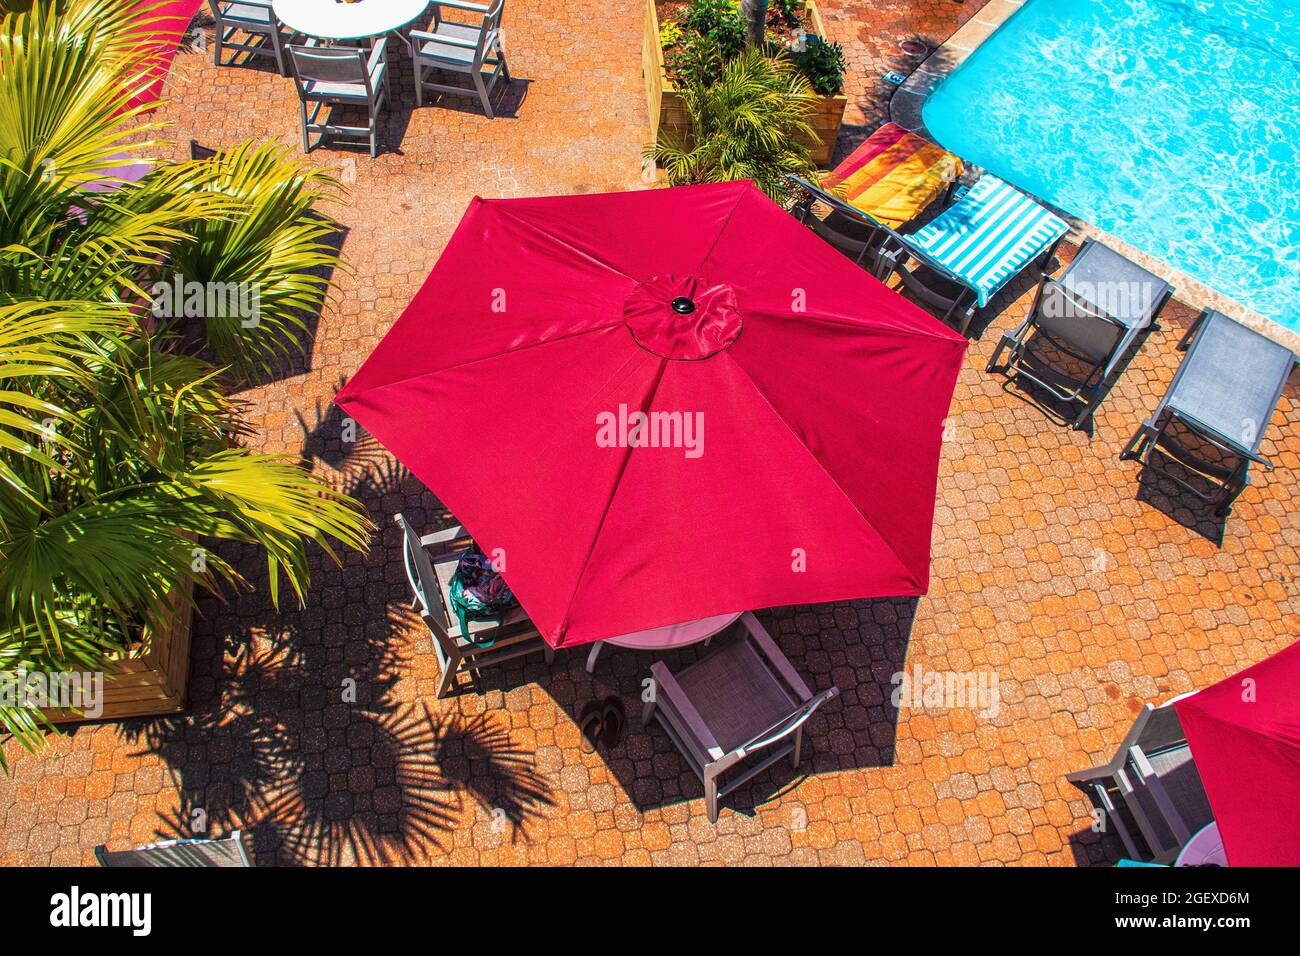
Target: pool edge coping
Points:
x,y
905,109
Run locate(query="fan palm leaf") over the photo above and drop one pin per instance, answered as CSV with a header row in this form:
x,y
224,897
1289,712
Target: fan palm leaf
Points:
x,y
272,250
748,124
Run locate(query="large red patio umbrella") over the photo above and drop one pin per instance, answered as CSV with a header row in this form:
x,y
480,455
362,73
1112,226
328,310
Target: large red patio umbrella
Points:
x,y
1245,737
794,405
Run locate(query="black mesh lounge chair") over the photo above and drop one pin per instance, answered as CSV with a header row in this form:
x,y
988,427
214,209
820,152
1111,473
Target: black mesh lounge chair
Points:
x,y
228,852
1151,785
740,700
848,229
1082,325
1207,429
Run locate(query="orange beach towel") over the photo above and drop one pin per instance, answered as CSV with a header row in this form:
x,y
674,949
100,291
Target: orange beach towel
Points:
x,y
893,175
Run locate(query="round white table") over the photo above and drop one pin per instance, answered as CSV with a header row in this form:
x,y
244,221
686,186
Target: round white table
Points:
x,y
335,20
663,638
1205,848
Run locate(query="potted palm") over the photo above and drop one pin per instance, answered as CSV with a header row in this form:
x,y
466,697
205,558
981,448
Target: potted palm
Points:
x,y
121,456
749,124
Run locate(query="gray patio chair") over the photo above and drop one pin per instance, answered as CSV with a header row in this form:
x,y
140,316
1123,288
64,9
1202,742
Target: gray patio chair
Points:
x,y
743,699
1151,781
474,48
339,76
253,18
1207,430
1082,325
847,228
228,852
489,643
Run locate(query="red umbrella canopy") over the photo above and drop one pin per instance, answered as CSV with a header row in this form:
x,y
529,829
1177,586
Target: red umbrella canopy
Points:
x,y
1245,738
665,405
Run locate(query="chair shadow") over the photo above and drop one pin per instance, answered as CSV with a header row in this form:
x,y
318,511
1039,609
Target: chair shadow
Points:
x,y
1061,412
507,98
1176,503
1092,848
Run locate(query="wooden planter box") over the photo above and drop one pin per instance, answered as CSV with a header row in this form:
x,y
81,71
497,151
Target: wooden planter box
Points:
x,y
667,110
151,682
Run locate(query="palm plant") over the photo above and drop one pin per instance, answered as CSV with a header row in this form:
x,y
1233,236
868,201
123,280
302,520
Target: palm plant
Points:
x,y
120,460
747,125
274,244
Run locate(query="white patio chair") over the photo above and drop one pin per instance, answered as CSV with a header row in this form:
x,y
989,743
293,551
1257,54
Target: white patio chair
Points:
x,y
475,49
339,76
430,563
740,700
251,17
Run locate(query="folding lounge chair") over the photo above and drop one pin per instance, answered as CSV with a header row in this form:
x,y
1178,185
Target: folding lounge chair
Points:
x,y
487,643
884,184
740,700
1211,422
974,248
1152,785
226,852
1082,325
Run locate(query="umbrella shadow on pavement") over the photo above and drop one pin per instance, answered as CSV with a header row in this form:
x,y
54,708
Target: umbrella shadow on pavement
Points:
x,y
857,645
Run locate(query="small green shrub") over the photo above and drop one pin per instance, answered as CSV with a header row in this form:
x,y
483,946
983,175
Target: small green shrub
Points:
x,y
823,64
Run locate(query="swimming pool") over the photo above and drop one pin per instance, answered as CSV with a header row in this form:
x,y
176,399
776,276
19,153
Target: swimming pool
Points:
x,y
1172,124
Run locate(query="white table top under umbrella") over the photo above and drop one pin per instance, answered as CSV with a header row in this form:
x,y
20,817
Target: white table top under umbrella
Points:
x,y
336,20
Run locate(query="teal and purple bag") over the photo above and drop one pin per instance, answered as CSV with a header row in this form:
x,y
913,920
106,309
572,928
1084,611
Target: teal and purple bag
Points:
x,y
479,593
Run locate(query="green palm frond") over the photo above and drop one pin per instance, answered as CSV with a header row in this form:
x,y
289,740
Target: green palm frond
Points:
x,y
44,350
271,250
119,459
746,125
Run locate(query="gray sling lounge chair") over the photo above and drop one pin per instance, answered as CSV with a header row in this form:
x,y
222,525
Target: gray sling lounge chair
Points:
x,y
1211,422
430,579
1151,782
742,699
227,852
1082,325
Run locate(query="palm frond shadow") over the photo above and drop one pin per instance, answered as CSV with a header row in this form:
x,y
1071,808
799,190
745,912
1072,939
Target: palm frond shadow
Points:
x,y
478,756
360,466
295,732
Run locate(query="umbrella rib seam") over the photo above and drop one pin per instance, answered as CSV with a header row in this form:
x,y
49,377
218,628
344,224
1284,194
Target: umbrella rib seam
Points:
x,y
722,231
564,243
609,504
908,570
483,358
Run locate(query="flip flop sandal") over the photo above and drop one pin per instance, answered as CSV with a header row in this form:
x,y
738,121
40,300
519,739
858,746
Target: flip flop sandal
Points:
x,y
614,719
590,724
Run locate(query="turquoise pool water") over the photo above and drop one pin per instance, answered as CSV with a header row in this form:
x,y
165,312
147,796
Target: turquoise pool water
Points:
x,y
1172,124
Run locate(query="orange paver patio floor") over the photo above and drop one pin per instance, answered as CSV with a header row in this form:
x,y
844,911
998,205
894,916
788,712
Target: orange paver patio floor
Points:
x,y
1086,592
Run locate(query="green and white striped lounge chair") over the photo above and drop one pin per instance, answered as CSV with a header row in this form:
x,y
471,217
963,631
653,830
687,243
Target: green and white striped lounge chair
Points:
x,y
974,248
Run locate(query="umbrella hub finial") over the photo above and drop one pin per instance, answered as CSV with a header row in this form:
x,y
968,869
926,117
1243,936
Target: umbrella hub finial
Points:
x,y
685,318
